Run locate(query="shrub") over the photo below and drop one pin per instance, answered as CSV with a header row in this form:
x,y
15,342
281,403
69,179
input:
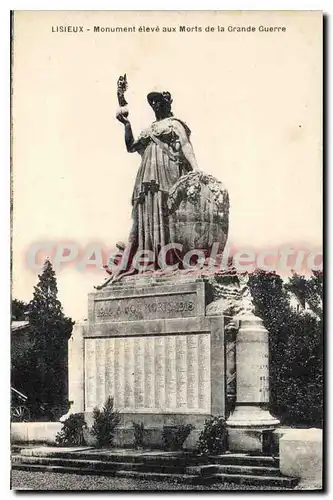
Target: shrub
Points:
x,y
213,437
175,436
105,423
72,432
139,431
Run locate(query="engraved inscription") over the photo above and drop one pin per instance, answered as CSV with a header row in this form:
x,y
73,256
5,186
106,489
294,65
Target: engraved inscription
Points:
x,y
145,307
153,374
139,370
149,392
192,367
181,372
100,371
129,372
169,307
252,379
109,367
170,372
159,345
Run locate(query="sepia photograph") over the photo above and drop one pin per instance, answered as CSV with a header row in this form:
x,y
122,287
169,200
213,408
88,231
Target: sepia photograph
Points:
x,y
166,251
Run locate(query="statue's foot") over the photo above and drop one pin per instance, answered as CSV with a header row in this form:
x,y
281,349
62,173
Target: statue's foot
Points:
x,y
120,275
99,287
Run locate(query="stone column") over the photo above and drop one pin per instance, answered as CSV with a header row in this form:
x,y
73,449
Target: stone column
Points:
x,y
250,424
76,369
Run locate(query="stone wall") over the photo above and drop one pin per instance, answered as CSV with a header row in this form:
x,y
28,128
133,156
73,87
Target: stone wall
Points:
x,y
34,432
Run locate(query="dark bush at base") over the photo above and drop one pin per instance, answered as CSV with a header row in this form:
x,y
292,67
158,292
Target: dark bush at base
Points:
x,y
139,432
174,436
105,423
72,432
213,437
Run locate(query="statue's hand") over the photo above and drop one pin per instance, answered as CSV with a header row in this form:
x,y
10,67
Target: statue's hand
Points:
x,y
122,116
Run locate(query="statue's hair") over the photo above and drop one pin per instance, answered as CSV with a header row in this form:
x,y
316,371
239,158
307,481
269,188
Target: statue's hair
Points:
x,y
167,97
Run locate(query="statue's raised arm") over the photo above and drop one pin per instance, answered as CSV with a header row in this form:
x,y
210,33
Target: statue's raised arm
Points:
x,y
122,115
122,86
174,203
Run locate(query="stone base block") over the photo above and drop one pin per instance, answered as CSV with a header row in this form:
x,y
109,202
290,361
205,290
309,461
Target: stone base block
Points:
x,y
277,435
250,429
245,440
124,438
192,440
301,454
153,429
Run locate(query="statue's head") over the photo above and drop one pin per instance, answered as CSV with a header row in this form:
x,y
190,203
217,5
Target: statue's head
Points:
x,y
161,103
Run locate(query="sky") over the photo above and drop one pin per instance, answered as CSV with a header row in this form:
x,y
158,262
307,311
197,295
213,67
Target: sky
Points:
x,y
252,100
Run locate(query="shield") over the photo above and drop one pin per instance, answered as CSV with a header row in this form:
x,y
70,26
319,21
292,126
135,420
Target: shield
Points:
x,y
198,206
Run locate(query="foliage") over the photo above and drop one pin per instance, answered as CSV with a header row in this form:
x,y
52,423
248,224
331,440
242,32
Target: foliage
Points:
x,y
308,291
105,423
72,432
51,330
139,430
45,310
213,437
296,345
189,187
19,308
40,370
175,436
22,365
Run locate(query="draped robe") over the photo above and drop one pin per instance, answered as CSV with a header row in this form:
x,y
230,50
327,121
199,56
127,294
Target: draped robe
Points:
x,y
160,168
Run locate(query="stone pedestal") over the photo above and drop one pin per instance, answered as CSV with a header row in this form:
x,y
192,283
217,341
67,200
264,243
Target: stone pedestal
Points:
x,y
150,346
251,424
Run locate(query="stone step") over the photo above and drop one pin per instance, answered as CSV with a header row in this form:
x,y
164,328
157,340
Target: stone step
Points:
x,y
201,470
174,478
153,476
282,481
181,461
102,464
146,466
206,474
246,460
248,470
73,454
152,458
17,447
74,462
62,469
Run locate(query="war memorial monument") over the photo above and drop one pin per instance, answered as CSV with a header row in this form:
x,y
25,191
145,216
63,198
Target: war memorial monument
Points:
x,y
172,334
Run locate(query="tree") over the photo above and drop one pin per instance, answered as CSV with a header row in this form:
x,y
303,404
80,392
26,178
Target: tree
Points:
x,y
20,357
296,345
308,290
315,292
19,308
51,330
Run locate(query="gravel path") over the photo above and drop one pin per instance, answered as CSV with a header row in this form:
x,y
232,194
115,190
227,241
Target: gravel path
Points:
x,y
23,480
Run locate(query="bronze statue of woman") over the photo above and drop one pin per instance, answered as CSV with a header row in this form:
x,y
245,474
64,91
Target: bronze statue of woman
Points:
x,y
166,154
